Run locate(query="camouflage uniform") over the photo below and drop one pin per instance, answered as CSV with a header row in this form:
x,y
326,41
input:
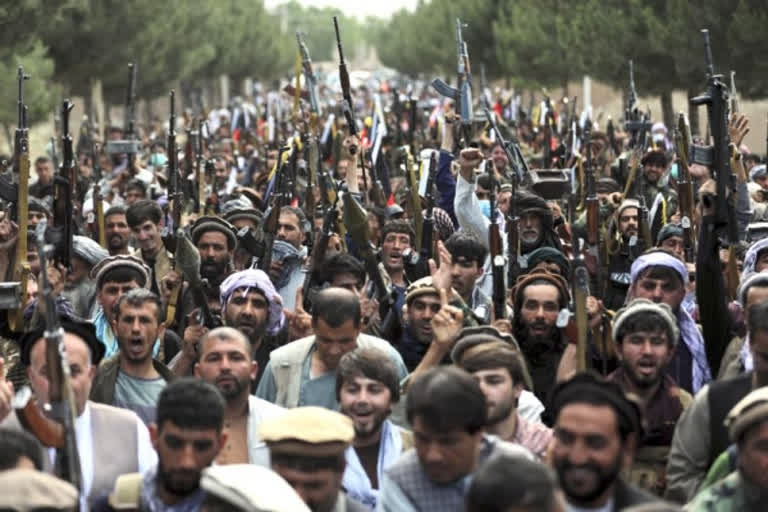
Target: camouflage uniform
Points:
x,y
729,494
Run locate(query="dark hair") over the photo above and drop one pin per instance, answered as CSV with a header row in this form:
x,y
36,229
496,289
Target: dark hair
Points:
x,y
494,355
15,444
299,213
137,298
757,317
587,388
447,398
122,274
116,210
484,181
466,244
370,363
645,321
398,226
661,272
343,263
42,160
309,464
505,482
137,184
227,334
142,211
336,306
190,403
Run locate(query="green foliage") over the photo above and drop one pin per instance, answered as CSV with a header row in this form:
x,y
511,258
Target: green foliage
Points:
x,y
38,94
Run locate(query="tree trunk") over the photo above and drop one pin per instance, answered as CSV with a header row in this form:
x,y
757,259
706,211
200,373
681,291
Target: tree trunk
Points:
x,y
693,114
667,110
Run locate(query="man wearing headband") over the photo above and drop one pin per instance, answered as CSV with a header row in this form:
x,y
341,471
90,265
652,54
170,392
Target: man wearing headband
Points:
x,y
597,430
700,435
250,304
660,277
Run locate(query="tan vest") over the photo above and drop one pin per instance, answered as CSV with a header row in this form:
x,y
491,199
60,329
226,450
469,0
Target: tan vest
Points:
x,y
114,444
286,363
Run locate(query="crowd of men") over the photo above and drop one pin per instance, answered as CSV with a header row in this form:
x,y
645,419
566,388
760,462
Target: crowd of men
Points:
x,y
389,316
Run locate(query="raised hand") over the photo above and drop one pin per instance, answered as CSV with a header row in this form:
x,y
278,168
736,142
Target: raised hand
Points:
x,y
447,323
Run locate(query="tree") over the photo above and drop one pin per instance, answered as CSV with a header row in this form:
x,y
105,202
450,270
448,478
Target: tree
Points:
x,y
39,95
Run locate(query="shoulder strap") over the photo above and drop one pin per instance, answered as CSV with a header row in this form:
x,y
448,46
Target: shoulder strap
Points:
x,y
127,492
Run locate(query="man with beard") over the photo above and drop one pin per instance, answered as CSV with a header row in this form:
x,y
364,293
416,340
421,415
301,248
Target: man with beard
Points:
x,y
116,231
645,335
80,289
288,254
226,361
249,304
215,240
367,387
624,247
596,433
467,258
303,372
111,441
536,218
659,196
133,379
38,210
539,296
144,218
746,489
661,277
187,435
448,412
498,368
306,448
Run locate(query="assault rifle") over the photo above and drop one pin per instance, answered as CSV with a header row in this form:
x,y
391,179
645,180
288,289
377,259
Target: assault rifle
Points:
x,y
19,194
63,229
636,123
427,248
734,94
685,186
519,171
592,207
495,244
61,406
130,145
716,100
309,76
462,93
356,220
347,104
345,86
175,196
319,252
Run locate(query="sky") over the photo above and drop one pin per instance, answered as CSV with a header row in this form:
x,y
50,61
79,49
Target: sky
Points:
x,y
358,8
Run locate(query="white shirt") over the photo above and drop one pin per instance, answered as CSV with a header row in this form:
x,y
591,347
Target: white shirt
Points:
x,y
84,438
